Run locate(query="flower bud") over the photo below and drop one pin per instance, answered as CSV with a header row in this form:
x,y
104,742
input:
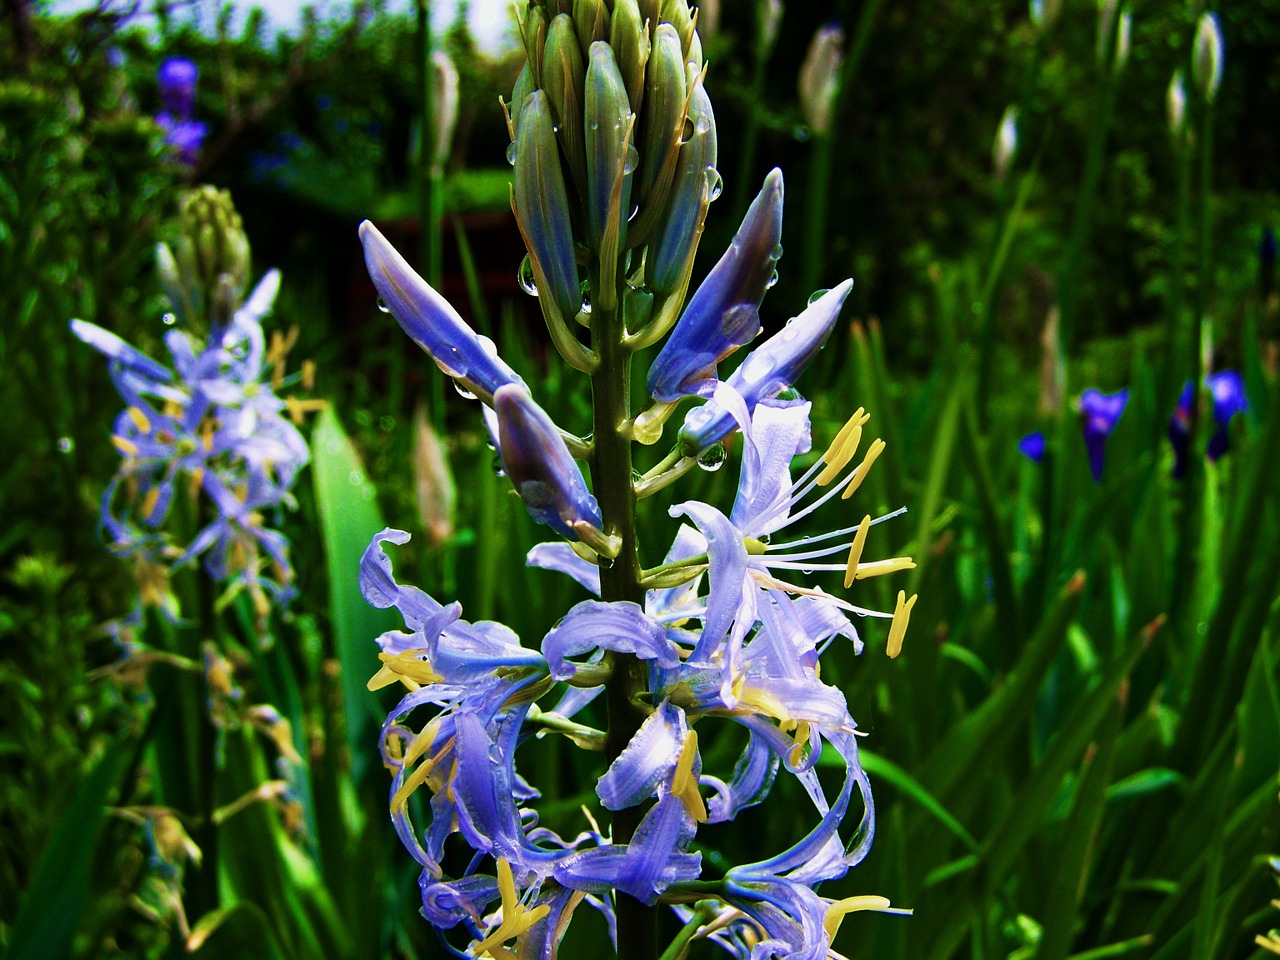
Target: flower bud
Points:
x,y
708,17
610,156
591,19
1106,25
768,22
176,79
651,13
444,109
724,313
1123,30
678,14
540,466
1044,13
1099,414
630,42
431,321
819,80
542,206
533,30
675,240
212,244
1006,143
768,370
524,86
664,113
563,76
1175,100
433,481
1206,59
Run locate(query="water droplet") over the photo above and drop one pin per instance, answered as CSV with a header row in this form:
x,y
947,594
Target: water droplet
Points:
x,y
511,153
585,290
777,252
631,161
382,305
463,392
387,423
524,277
819,294
806,537
239,351
498,468
807,571
169,319
713,459
66,444
355,477
605,563
715,185
772,280
364,418
703,123
687,133
802,133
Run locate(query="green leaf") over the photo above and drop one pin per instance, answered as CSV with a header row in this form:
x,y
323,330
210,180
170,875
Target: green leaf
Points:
x,y
59,890
1143,783
349,518
234,932
878,766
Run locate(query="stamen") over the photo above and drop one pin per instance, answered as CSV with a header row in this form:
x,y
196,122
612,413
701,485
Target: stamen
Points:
x,y
863,468
774,547
878,568
516,918
139,419
683,784
855,551
125,446
409,665
836,911
843,447
901,616
149,502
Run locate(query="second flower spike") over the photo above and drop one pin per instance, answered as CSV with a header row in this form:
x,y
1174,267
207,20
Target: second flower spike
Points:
x,y
431,321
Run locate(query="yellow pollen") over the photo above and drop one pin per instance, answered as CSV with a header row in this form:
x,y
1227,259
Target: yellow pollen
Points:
x,y
864,468
516,918
139,419
684,785
878,568
836,912
149,501
901,616
127,447
855,551
843,447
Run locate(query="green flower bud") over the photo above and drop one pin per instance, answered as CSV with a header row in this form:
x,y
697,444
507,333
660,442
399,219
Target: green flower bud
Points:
x,y
819,80
533,31
664,114
1176,106
694,54
1124,28
542,207
591,18
631,45
1206,59
610,156
651,13
444,109
211,246
524,86
563,76
769,20
677,13
696,184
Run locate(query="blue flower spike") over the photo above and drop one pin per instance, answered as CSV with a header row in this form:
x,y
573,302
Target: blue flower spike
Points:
x,y
724,313
431,322
1032,446
1100,412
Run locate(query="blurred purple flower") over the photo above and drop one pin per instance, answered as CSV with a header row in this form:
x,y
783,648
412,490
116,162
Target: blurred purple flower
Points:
x,y
1100,412
1229,399
177,81
186,137
1032,446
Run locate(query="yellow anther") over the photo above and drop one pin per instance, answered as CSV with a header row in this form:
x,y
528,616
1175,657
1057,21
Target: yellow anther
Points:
x,y
754,546
901,616
684,785
125,446
864,468
308,375
837,911
801,740
410,665
878,568
411,783
843,447
149,502
139,419
855,551
516,918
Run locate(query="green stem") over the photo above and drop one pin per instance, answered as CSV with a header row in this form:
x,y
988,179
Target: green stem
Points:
x,y
703,914
1175,336
611,475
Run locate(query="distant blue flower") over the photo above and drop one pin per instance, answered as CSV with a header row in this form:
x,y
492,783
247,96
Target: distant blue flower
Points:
x,y
186,137
176,79
1032,446
1229,399
1100,412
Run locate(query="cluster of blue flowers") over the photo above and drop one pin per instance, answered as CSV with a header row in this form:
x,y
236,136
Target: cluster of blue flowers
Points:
x,y
176,80
211,428
1100,413
724,630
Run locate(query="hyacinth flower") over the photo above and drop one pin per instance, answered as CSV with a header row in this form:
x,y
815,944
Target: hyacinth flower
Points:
x,y
1032,446
1227,388
176,80
614,150
207,426
1099,414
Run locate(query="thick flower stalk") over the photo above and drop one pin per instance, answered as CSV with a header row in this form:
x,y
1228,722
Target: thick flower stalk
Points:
x,y
614,154
207,427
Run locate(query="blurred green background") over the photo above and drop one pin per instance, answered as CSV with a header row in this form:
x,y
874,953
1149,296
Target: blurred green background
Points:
x,y
1077,753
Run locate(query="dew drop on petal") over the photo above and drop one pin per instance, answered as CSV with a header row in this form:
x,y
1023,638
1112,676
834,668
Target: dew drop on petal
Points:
x,y
632,160
382,305
511,153
498,470
66,444
772,280
355,477
818,294
524,277
463,392
603,562
715,184
713,459
702,124
169,319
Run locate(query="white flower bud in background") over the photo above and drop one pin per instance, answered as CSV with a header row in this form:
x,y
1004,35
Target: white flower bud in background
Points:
x,y
444,110
1106,23
708,18
769,20
1123,29
1175,100
1044,13
1206,60
819,80
1005,146
436,492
